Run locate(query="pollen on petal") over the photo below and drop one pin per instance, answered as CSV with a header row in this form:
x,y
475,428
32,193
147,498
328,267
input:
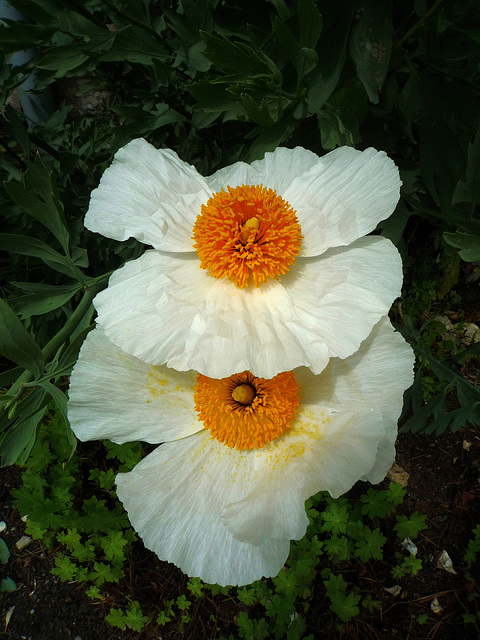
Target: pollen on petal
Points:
x,y
247,234
246,412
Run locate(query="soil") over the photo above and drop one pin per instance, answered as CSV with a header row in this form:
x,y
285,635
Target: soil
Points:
x,y
444,484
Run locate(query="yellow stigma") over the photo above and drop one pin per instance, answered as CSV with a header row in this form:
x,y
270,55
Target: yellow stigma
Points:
x,y
245,394
246,412
247,233
252,224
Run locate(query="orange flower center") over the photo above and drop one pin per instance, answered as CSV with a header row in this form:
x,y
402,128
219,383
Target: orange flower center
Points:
x,y
249,231
246,412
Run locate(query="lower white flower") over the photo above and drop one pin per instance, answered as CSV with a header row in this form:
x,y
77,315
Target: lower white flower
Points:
x,y
224,494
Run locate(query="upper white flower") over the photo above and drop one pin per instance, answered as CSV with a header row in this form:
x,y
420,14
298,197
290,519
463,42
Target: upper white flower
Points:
x,y
224,494
261,267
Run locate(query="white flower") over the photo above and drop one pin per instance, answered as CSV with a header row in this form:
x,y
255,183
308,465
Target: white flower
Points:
x,y
193,301
224,494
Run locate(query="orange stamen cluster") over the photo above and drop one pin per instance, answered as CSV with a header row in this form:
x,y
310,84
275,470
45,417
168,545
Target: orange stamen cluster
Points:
x,y
249,231
246,412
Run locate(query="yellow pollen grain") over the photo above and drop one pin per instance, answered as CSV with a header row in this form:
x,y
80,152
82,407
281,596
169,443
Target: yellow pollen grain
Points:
x,y
246,412
247,234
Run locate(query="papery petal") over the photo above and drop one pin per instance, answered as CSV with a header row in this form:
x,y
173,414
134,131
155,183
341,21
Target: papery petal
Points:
x,y
342,295
345,431
377,375
278,170
338,198
174,499
148,194
116,396
343,197
173,312
324,450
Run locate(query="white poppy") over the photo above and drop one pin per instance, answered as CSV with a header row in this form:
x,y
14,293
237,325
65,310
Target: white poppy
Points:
x,y
260,267
224,494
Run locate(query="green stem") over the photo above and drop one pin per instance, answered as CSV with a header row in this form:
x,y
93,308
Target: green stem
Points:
x,y
56,342
51,348
418,24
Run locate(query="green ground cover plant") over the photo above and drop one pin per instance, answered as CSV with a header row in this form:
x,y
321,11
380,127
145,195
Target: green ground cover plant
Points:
x,y
85,526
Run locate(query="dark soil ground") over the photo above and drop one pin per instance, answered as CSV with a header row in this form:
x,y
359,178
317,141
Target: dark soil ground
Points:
x,y
444,484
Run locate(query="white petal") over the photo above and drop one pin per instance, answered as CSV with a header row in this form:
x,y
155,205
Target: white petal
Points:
x,y
343,197
346,431
277,170
338,198
344,293
165,309
148,194
174,499
325,450
114,395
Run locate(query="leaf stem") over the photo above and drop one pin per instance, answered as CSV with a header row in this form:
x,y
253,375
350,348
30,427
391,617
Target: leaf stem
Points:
x,y
418,24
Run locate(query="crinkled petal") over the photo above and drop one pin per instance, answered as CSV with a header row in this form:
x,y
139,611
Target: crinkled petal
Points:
x,y
148,194
172,312
174,499
324,450
278,170
345,431
114,395
343,197
165,309
341,295
338,198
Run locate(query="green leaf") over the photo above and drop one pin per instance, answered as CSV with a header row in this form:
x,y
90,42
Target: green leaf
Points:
x,y
335,518
234,57
28,246
4,552
113,545
286,583
102,573
371,45
247,596
19,440
46,207
410,527
134,617
195,586
17,344
310,20
371,545
257,112
65,569
468,244
338,548
468,190
7,584
345,605
47,298
116,618
331,50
